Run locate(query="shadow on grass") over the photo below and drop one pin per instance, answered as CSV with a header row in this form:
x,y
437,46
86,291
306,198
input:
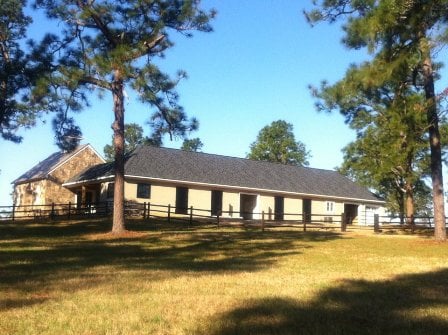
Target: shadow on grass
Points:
x,y
42,256
409,304
52,229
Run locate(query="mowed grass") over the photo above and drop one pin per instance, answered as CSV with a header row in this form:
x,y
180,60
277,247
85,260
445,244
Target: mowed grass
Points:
x,y
74,278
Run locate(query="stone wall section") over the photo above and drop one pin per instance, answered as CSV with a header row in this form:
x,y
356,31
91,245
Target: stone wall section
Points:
x,y
56,192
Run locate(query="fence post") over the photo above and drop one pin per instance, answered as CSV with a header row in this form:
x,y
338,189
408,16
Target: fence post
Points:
x,y
304,222
149,210
144,210
13,212
69,210
169,213
262,221
52,211
343,223
191,215
217,217
376,223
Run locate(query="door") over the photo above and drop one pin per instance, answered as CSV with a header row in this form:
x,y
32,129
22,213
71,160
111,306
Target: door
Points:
x,y
306,210
279,207
216,205
181,200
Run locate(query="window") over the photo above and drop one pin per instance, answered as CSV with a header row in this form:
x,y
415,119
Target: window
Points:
x,y
110,190
216,205
330,206
181,200
144,191
279,206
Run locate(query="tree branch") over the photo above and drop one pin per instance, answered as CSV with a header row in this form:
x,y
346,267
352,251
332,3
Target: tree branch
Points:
x,y
148,46
99,23
95,81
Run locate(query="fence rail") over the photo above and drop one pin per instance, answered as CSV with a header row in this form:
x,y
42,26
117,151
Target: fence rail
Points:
x,y
263,219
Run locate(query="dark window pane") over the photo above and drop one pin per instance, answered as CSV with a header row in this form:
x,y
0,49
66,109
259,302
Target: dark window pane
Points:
x,y
144,191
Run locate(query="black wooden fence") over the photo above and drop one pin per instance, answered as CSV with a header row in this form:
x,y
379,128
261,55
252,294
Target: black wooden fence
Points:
x,y
192,215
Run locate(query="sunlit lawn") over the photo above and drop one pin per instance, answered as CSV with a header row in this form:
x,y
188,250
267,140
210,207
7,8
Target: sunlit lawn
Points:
x,y
73,278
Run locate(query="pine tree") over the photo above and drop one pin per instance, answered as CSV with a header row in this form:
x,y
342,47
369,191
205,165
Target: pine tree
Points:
x,y
109,45
390,152
400,35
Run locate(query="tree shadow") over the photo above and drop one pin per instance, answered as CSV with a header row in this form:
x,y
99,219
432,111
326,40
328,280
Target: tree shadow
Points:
x,y
53,229
408,304
46,255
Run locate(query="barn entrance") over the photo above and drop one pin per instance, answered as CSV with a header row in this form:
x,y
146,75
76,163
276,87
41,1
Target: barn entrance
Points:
x,y
248,204
351,213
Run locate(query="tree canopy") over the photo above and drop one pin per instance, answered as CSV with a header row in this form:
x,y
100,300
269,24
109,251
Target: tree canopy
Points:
x,y
193,144
276,143
18,71
133,136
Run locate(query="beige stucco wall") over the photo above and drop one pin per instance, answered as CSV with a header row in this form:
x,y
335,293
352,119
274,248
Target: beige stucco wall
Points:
x,y
320,213
231,204
293,206
131,193
200,198
162,195
165,194
267,205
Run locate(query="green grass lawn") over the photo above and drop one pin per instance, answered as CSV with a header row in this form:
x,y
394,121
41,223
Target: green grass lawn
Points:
x,y
74,278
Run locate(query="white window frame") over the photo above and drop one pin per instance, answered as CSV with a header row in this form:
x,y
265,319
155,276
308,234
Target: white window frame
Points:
x,y
329,206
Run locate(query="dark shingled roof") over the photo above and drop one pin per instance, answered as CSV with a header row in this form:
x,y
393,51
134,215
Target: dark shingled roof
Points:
x,y
45,167
202,168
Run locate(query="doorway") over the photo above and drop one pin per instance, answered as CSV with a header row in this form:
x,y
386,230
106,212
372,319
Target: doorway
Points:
x,y
306,210
279,208
248,204
351,213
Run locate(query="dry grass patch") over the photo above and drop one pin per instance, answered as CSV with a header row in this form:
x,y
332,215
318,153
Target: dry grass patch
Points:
x,y
74,278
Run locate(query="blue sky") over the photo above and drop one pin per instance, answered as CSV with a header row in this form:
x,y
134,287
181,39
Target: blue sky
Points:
x,y
253,69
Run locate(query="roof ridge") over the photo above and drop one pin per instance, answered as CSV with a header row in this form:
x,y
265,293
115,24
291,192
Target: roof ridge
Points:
x,y
53,161
234,157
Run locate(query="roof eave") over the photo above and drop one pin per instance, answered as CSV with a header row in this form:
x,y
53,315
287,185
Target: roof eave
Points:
x,y
88,181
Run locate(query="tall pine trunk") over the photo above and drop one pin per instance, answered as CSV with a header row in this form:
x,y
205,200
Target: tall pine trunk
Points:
x,y
410,210
118,225
435,145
